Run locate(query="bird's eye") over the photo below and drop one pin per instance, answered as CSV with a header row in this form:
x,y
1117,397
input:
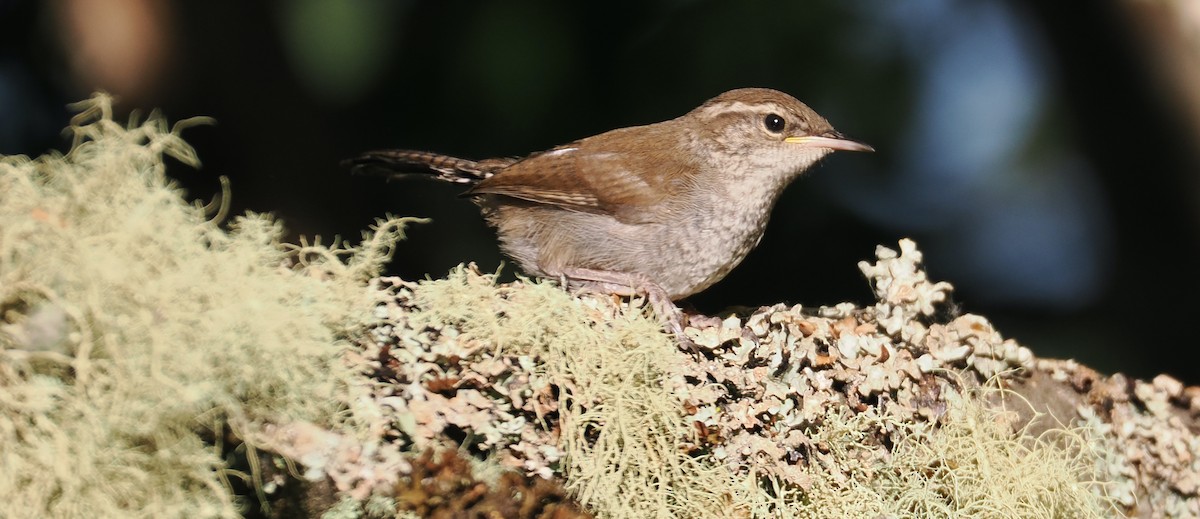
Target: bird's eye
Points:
x,y
774,123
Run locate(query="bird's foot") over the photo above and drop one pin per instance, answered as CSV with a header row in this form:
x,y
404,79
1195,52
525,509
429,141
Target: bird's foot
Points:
x,y
630,284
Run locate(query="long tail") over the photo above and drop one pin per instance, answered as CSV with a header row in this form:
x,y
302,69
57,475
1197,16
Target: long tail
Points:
x,y
397,163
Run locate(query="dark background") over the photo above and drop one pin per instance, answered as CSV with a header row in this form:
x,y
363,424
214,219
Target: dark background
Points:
x,y
1044,156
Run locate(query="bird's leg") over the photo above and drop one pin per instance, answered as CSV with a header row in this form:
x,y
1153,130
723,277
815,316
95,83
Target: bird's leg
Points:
x,y
630,284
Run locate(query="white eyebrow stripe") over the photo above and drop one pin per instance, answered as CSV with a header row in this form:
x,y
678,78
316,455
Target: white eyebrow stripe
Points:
x,y
738,106
560,151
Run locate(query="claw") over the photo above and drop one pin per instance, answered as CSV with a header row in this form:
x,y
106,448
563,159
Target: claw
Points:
x,y
628,285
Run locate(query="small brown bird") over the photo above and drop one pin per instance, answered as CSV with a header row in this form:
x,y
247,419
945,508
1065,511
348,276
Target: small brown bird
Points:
x,y
665,209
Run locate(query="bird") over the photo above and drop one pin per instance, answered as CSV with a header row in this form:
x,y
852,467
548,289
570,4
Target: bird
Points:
x,y
664,210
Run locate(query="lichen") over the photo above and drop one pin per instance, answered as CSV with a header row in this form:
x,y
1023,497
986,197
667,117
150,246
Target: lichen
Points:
x,y
1149,457
139,336
554,384
783,412
135,330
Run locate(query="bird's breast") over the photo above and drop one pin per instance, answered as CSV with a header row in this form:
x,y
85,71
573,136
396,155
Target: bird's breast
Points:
x,y
711,241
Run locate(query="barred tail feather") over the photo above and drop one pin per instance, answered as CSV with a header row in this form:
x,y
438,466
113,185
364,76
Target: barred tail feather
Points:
x,y
398,163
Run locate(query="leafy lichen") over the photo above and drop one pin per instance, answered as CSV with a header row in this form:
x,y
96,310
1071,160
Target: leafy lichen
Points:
x,y
790,415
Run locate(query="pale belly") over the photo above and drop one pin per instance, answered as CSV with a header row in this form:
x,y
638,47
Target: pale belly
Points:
x,y
681,257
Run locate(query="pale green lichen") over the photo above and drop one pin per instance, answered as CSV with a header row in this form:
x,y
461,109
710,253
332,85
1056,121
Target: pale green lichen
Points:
x,y
617,421
593,392
134,326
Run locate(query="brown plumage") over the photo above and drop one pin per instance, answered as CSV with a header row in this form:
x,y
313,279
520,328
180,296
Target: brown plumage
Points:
x,y
667,208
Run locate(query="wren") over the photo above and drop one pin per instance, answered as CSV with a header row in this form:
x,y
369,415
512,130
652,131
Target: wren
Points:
x,y
665,209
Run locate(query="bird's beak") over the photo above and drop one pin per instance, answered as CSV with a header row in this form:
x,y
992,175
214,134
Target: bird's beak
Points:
x,y
833,143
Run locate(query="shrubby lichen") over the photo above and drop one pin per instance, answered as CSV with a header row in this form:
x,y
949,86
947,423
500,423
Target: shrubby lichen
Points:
x,y
132,326
783,413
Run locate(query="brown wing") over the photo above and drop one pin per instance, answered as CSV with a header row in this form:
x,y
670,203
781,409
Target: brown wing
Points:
x,y
615,173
